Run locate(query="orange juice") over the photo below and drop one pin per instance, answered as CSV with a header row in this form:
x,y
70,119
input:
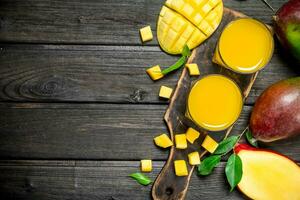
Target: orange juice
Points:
x,y
214,102
245,46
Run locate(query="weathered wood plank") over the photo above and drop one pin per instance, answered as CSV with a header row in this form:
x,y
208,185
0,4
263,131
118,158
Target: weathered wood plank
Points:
x,y
93,131
101,73
92,21
95,180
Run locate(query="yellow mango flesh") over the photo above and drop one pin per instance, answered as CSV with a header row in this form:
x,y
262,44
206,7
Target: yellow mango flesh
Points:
x,y
163,141
194,158
192,135
155,72
146,165
180,168
269,176
209,144
180,140
188,22
165,92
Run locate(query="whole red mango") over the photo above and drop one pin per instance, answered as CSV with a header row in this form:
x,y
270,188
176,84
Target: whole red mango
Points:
x,y
276,113
287,26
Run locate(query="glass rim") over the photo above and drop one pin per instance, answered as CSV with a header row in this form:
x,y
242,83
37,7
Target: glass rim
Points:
x,y
266,61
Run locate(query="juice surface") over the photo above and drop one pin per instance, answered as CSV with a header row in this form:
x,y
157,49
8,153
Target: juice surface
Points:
x,y
214,102
246,45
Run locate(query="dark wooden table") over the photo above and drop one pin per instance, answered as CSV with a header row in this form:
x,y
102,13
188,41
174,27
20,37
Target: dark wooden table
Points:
x,y
77,110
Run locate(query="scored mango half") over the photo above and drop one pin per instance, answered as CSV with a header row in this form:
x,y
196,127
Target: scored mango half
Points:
x,y
188,22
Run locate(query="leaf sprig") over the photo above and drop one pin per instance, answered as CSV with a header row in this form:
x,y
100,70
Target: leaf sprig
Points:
x,y
141,178
186,52
234,165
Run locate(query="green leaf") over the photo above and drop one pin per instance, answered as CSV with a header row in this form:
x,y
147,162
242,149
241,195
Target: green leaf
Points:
x,y
234,170
251,139
141,178
186,51
175,66
226,145
208,164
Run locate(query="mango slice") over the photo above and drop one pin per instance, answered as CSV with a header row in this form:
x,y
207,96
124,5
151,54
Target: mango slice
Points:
x,y
155,72
146,34
194,158
193,69
188,22
209,144
146,165
192,135
163,141
165,92
180,168
180,140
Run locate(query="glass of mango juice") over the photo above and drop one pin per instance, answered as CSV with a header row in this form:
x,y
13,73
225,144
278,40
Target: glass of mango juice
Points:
x,y
214,102
245,46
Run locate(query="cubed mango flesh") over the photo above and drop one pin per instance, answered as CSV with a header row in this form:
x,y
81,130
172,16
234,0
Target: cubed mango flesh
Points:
x,y
180,140
163,141
180,168
165,92
155,72
192,135
194,158
193,69
209,144
146,165
146,34
183,22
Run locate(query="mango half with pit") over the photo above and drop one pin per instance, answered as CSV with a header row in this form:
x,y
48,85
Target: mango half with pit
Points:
x,y
188,22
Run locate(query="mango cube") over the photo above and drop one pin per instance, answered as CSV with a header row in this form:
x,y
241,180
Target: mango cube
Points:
x,y
180,168
192,135
194,158
155,72
180,140
209,144
163,141
193,69
146,33
165,92
146,165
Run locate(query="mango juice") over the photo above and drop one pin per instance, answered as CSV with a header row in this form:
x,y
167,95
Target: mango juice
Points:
x,y
214,103
245,46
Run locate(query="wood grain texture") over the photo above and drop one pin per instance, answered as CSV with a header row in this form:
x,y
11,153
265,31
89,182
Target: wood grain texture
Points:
x,y
76,73
105,180
93,131
92,21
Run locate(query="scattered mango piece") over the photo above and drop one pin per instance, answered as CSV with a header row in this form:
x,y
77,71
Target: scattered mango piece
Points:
x,y
165,92
180,140
194,158
192,135
146,34
180,168
209,144
146,165
155,72
193,69
163,141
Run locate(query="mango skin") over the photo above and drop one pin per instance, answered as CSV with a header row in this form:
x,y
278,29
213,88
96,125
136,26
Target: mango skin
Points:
x,y
287,26
276,114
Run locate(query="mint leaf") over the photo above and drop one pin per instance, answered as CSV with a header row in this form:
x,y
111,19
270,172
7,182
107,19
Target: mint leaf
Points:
x,y
251,139
141,178
226,145
234,170
208,164
186,51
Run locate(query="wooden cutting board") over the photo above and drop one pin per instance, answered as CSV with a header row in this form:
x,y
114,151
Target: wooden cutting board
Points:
x,y
168,185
